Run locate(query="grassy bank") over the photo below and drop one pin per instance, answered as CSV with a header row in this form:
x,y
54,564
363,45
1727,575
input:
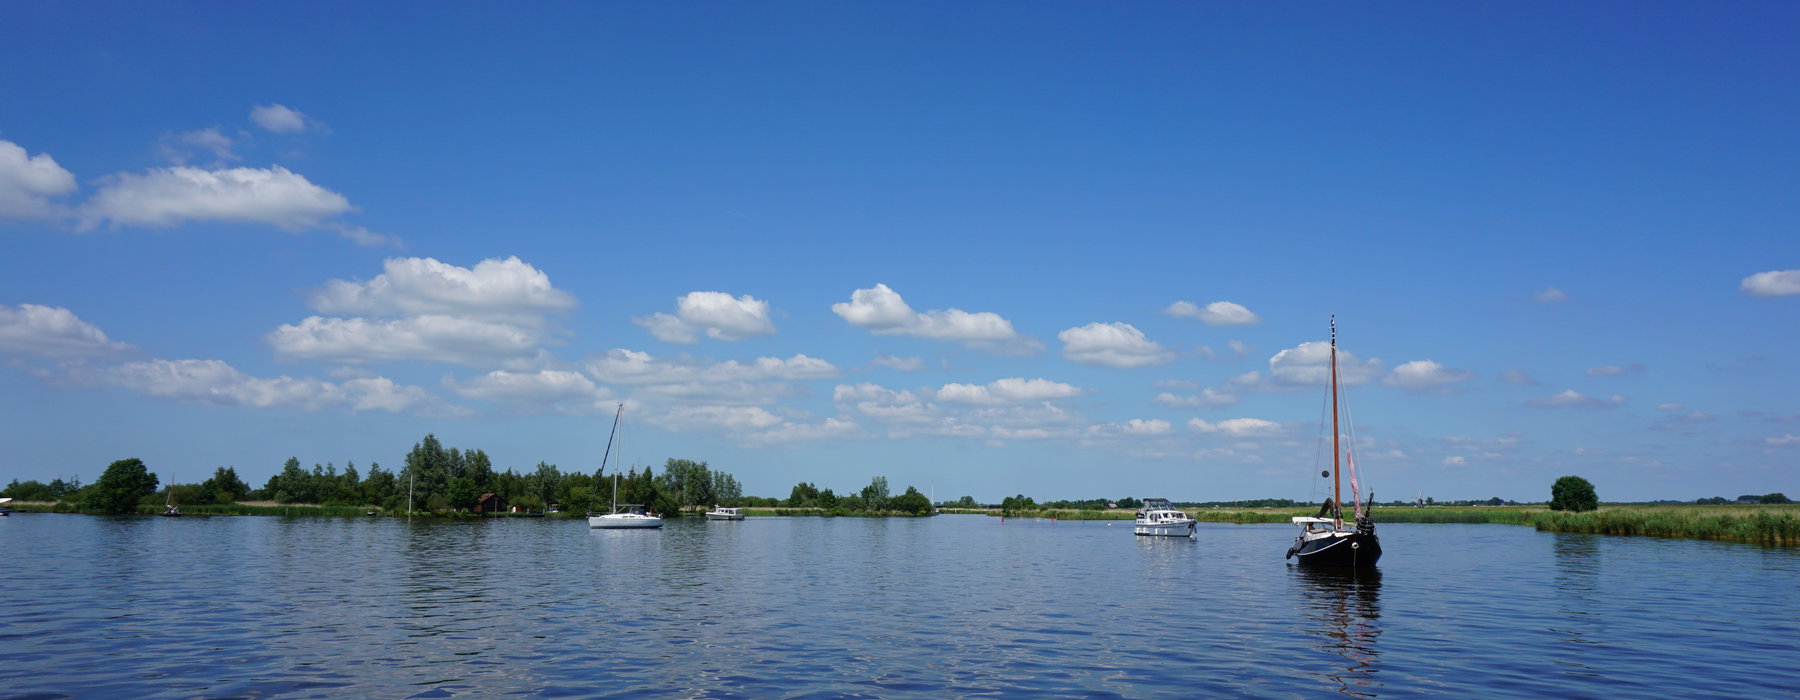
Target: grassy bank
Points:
x,y
1776,525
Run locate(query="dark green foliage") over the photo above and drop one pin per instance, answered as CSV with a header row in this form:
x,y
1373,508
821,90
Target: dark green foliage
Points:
x,y
56,490
912,503
463,493
1131,503
1714,501
1776,498
1573,493
686,483
875,495
803,495
1017,504
119,489
967,502
223,487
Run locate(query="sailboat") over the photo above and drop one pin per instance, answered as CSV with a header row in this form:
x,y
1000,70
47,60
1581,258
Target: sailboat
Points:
x,y
1324,539
169,508
633,515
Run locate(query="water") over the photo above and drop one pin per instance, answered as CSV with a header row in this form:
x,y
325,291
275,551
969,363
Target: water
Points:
x,y
946,606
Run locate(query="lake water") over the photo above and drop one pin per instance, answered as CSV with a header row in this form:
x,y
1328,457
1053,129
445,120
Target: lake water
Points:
x,y
946,606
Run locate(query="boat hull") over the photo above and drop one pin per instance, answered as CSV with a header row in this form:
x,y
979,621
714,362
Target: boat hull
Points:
x,y
710,516
1341,550
1164,529
613,522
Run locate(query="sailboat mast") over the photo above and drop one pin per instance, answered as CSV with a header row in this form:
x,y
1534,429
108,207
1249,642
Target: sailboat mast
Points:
x,y
1335,497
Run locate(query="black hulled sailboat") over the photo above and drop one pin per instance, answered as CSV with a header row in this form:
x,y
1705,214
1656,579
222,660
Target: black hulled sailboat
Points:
x,y
1324,539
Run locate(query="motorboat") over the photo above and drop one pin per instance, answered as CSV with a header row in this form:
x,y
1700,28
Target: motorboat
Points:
x,y
720,513
1160,518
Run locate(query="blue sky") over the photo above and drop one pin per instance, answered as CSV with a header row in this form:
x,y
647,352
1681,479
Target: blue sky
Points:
x,y
1065,249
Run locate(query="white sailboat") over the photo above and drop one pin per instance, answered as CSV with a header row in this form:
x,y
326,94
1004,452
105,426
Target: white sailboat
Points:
x,y
633,515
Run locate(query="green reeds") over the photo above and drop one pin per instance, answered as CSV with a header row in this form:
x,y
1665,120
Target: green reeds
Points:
x,y
1762,526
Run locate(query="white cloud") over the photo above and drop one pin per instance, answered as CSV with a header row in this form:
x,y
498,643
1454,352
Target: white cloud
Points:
x,y
1550,295
496,288
1573,399
1004,391
1119,345
459,340
1517,376
1139,426
215,382
1670,407
210,140
50,331
1783,441
1236,427
1613,371
631,367
279,119
169,196
1218,313
1209,397
882,311
366,238
541,388
1309,364
1425,376
27,183
904,364
1774,283
719,315
1456,461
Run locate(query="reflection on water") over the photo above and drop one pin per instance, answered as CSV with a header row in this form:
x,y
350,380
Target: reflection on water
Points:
x,y
1343,607
1578,610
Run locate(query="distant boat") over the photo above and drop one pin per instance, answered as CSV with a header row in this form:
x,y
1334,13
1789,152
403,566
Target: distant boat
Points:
x,y
5,507
718,513
170,510
1324,539
1160,518
633,516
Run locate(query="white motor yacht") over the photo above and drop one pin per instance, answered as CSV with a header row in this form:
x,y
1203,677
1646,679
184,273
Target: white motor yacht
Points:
x,y
1159,518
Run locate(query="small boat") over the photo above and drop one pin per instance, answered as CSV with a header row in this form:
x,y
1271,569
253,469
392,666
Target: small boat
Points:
x,y
718,513
633,515
5,507
1324,539
1160,518
170,510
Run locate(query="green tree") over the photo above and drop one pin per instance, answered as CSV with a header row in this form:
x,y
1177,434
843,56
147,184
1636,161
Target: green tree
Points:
x,y
463,492
912,502
1573,493
686,482
967,502
1015,504
223,487
1775,498
726,489
803,495
120,488
875,495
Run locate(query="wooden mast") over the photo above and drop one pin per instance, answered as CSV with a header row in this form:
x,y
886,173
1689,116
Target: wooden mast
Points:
x,y
1336,509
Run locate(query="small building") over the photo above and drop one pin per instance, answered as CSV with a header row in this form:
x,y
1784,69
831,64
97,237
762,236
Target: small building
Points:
x,y
490,503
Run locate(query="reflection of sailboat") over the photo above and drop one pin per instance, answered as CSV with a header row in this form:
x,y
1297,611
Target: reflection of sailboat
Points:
x,y
633,516
1346,605
1324,539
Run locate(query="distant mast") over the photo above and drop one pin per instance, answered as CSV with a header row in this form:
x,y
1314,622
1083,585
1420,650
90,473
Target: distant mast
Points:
x,y
1337,512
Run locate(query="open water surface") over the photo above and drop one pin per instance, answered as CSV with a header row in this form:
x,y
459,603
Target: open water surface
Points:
x,y
945,606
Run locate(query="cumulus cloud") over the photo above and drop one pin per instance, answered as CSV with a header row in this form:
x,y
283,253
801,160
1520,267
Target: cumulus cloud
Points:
x,y
631,367
1218,313
1209,397
28,183
1119,345
1425,376
496,288
180,147
562,390
1517,376
1309,364
882,311
1236,427
1571,398
717,314
1456,461
1774,283
1550,295
170,196
279,118
51,331
1004,391
215,382
455,339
